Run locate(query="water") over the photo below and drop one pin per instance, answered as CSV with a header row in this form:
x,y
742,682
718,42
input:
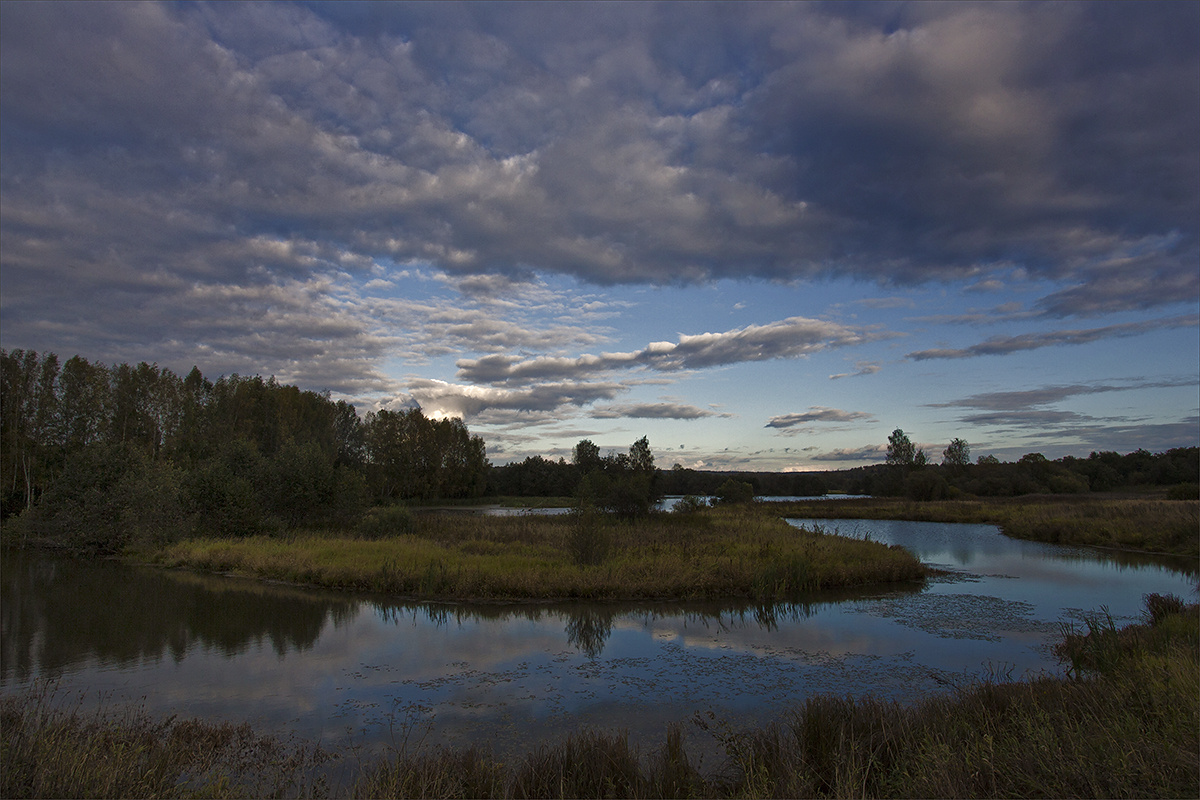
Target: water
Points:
x,y
339,668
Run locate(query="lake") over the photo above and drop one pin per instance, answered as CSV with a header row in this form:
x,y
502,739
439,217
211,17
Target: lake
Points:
x,y
376,672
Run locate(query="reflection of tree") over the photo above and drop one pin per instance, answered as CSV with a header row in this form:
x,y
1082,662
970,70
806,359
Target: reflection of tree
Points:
x,y
59,612
588,629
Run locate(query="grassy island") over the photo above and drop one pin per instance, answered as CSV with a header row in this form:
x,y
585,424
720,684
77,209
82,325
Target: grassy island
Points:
x,y
716,553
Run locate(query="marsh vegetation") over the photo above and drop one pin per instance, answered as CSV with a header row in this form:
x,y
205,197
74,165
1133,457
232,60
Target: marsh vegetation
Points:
x,y
716,553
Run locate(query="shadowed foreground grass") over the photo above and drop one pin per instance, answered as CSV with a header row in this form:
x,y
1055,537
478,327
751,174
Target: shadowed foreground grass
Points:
x,y
746,553
1125,724
1170,527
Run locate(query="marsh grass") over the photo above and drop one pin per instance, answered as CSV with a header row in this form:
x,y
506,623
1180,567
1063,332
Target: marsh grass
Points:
x,y
1124,724
720,554
51,748
1132,523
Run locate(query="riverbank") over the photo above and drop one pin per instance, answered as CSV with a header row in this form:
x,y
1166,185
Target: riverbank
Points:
x,y
719,553
1123,722
1169,527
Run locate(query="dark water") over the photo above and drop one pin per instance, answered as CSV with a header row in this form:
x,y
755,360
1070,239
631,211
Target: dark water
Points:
x,y
338,668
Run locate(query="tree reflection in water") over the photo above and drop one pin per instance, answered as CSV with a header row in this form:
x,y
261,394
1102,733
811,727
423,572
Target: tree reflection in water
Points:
x,y
58,613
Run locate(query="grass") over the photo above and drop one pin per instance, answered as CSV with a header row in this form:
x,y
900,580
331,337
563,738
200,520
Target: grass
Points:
x,y
1169,527
748,554
1124,722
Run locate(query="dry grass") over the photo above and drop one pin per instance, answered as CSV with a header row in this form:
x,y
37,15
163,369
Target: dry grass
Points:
x,y
720,554
50,748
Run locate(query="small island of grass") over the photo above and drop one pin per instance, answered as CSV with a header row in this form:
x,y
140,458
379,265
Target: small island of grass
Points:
x,y
717,553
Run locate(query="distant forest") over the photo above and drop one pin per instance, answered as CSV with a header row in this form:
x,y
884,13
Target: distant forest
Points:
x,y
96,456
1178,469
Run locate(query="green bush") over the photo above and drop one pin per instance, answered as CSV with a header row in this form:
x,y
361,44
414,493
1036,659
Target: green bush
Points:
x,y
385,522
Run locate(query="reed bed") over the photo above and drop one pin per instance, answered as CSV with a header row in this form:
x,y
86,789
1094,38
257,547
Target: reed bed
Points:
x,y
1123,723
718,554
1170,527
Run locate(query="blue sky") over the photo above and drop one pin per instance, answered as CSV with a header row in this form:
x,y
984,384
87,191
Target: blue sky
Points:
x,y
762,235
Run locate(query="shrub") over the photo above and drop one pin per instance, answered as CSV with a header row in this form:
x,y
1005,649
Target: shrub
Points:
x,y
386,522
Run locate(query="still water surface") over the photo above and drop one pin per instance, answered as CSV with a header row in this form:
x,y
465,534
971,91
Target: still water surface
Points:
x,y
368,670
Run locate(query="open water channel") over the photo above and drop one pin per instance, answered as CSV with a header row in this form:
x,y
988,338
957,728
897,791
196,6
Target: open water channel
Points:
x,y
375,672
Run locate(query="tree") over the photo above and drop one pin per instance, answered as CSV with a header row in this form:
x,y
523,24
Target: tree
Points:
x,y
957,455
734,492
587,456
900,451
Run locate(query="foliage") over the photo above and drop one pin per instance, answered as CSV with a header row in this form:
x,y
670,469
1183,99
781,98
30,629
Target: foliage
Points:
x,y
98,457
900,451
624,485
733,492
957,454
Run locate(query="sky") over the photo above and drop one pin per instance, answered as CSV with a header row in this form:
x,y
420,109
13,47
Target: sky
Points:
x,y
762,235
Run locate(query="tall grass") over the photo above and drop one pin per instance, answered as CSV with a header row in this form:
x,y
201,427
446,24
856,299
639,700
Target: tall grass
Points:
x,y
720,554
49,747
1125,724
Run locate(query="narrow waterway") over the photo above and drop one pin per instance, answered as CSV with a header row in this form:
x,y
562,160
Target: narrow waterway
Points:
x,y
370,671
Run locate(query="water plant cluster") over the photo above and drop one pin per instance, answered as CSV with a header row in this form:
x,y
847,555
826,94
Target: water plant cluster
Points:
x,y
1124,721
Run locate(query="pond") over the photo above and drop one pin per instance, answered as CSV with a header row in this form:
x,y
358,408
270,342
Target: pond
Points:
x,y
372,671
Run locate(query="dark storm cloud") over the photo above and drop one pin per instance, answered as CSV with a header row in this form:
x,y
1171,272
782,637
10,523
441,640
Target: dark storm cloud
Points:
x,y
158,157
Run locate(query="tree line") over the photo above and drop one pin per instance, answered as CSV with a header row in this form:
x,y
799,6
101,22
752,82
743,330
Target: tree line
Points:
x,y
99,455
909,472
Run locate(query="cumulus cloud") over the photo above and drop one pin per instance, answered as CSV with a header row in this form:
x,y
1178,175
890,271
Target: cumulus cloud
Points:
x,y
797,141
444,399
246,187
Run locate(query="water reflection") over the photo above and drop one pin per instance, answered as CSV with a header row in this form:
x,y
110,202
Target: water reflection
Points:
x,y
59,612
326,665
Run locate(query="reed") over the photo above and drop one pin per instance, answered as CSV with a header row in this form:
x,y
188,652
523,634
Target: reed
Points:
x,y
721,554
49,747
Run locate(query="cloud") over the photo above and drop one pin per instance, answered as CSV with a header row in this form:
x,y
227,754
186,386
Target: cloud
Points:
x,y
863,368
442,399
1028,408
816,414
655,411
791,142
1004,345
793,337
871,452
